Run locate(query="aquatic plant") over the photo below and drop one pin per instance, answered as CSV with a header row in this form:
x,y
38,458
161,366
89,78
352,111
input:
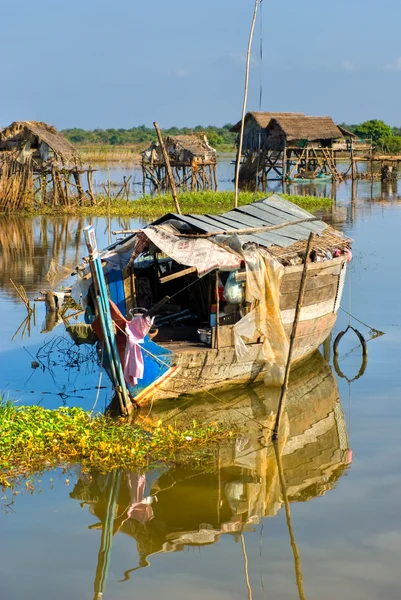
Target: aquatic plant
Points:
x,y
190,202
33,438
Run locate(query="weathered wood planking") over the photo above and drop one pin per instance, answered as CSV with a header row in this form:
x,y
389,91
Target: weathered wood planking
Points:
x,y
334,265
314,282
309,312
314,296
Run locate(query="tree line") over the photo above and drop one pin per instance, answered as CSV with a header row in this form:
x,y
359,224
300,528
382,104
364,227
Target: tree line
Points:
x,y
384,137
217,136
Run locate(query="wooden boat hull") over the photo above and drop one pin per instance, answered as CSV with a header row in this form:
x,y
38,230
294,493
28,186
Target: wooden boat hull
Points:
x,y
178,368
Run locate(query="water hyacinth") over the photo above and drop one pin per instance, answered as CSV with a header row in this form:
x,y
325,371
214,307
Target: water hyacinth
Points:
x,y
33,438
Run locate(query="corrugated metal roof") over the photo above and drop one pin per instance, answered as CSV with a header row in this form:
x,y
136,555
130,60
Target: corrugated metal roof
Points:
x,y
274,210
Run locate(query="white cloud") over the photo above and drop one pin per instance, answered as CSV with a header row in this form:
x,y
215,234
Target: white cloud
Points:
x,y
348,65
180,72
395,66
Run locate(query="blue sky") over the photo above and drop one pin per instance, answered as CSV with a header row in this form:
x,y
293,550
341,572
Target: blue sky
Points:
x,y
94,63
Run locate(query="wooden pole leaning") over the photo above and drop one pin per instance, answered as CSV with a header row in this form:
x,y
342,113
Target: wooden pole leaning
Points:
x,y
168,168
284,389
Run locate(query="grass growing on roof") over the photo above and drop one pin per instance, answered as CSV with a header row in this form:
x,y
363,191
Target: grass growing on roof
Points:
x,y
33,438
190,202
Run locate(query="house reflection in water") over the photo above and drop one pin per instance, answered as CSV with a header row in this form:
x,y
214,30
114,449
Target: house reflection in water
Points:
x,y
167,509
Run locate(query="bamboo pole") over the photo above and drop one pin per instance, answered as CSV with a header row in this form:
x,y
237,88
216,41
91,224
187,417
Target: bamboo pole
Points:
x,y
217,311
108,208
301,295
168,168
106,542
241,136
246,567
297,560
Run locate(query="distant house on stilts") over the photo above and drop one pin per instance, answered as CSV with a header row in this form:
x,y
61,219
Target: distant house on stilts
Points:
x,y
39,166
288,144
192,160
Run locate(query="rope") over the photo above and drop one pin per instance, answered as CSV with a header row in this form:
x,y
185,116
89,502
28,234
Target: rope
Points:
x,y
99,383
378,332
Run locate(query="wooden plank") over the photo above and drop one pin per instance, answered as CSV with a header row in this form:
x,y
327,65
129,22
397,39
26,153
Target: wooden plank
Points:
x,y
314,296
128,291
305,328
316,266
288,286
178,274
309,312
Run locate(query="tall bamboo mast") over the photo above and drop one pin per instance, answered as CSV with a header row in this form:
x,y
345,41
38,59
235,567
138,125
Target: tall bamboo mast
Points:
x,y
241,136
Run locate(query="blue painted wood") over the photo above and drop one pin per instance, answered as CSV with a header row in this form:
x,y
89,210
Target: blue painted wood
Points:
x,y
157,361
116,289
108,327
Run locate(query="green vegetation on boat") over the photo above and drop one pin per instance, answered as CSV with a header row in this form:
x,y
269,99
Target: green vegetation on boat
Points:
x,y
190,202
33,439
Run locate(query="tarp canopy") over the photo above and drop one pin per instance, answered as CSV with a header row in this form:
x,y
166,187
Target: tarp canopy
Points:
x,y
201,253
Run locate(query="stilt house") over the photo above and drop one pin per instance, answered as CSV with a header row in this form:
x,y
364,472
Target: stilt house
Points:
x,y
287,144
37,164
192,160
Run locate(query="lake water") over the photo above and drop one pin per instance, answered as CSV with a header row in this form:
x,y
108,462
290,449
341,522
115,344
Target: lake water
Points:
x,y
220,531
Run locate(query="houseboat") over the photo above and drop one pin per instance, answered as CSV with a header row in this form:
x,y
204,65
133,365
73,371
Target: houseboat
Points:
x,y
205,301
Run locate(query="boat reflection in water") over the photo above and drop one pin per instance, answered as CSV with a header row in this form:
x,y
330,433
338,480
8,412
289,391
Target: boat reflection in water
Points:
x,y
169,508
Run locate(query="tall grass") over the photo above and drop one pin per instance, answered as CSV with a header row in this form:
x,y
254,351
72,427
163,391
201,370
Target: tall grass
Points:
x,y
190,202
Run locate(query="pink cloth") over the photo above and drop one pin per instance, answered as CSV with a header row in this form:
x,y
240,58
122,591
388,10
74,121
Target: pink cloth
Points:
x,y
137,510
136,330
348,254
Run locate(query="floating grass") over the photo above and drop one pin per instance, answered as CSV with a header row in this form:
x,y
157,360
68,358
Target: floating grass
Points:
x,y
190,202
33,439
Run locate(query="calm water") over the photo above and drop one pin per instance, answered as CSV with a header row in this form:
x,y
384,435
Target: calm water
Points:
x,y
221,531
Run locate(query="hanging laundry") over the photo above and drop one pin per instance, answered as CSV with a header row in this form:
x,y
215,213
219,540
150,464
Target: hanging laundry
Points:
x,y
136,330
348,254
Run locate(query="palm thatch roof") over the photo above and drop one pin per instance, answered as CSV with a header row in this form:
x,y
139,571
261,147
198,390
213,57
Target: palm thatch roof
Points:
x,y
196,143
301,127
346,132
263,118
39,132
181,148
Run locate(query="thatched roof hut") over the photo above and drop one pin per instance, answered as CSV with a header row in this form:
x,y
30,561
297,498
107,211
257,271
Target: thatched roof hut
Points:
x,y
269,130
297,130
36,141
39,166
255,125
182,150
260,119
